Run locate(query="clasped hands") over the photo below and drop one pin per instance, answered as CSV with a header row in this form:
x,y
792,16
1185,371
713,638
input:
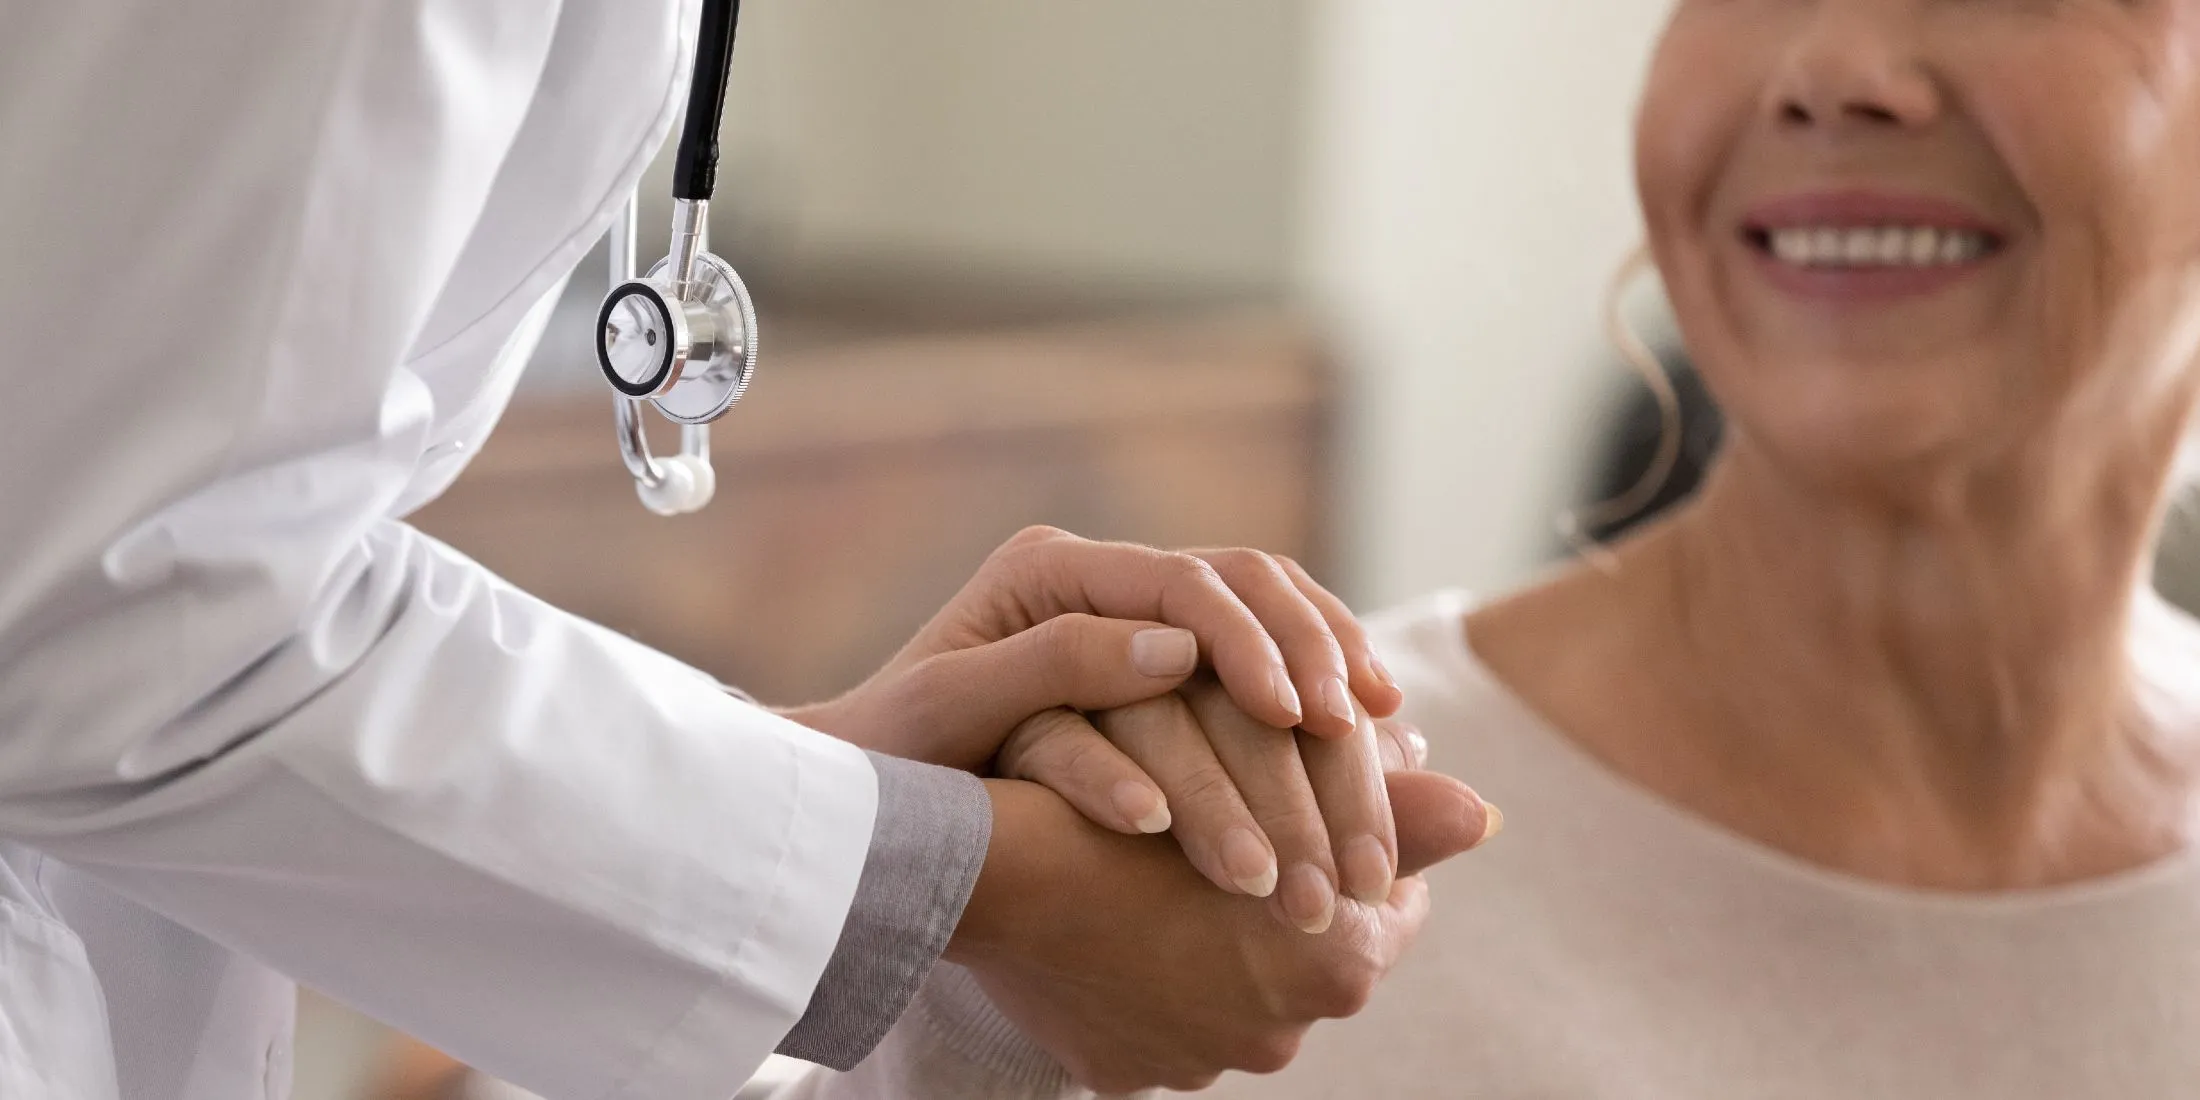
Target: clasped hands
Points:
x,y
1113,691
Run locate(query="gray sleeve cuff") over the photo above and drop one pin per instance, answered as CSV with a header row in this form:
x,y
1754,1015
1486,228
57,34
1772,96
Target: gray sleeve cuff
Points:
x,y
926,848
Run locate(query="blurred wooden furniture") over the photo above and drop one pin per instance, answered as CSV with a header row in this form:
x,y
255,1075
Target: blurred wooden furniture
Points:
x,y
861,484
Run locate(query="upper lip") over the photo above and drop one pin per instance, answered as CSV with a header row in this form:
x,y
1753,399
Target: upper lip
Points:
x,y
1859,208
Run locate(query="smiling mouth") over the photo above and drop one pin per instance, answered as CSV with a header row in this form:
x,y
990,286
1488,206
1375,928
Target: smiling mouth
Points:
x,y
1852,248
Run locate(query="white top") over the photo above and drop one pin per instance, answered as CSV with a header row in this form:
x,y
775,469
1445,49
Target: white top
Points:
x,y
268,271
1610,945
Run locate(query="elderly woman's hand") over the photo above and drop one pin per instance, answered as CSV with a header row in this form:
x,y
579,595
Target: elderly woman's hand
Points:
x,y
1112,954
1258,810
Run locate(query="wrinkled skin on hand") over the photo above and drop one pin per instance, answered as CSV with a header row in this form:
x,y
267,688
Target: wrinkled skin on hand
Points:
x,y
1131,970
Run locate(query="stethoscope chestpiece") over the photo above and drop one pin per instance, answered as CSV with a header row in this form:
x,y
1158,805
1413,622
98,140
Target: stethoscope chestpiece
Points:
x,y
688,350
640,339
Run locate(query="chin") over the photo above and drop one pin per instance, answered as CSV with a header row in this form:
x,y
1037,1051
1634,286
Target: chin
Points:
x,y
1890,446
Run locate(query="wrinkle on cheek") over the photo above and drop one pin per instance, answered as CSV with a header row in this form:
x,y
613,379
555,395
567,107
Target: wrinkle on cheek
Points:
x,y
2151,214
1697,111
2162,121
1686,135
2173,117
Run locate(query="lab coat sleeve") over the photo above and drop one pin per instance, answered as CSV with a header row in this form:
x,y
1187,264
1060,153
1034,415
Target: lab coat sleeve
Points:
x,y
550,850
235,687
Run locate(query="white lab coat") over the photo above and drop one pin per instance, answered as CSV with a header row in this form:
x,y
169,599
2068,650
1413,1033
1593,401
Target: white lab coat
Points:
x,y
268,269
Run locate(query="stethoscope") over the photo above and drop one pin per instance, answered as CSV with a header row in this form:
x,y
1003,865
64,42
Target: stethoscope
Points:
x,y
681,339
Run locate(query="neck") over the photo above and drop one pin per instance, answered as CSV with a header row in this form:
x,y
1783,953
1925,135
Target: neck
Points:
x,y
1951,669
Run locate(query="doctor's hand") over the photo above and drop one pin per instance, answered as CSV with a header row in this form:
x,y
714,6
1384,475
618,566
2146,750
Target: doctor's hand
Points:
x,y
1114,956
1056,621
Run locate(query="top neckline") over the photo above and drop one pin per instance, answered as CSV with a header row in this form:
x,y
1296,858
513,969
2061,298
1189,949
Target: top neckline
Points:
x,y
2178,870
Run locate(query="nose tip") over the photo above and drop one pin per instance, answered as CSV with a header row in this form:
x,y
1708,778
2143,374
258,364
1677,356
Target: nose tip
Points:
x,y
1852,68
1798,113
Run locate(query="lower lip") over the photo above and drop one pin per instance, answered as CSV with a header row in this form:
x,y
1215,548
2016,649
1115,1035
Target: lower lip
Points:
x,y
1864,285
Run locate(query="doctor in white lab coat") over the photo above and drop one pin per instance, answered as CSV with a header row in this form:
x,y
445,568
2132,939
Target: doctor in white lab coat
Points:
x,y
268,271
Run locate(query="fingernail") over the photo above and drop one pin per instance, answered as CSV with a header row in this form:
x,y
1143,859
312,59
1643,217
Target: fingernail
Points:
x,y
1337,700
1308,899
1418,746
1382,671
1287,695
1366,870
1493,822
1142,806
1248,862
1162,652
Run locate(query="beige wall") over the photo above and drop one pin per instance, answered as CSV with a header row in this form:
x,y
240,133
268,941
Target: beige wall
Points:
x,y
1469,196
1073,141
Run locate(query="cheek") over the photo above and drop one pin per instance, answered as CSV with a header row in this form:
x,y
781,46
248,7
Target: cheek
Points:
x,y
1700,100
2101,128
1695,106
2103,139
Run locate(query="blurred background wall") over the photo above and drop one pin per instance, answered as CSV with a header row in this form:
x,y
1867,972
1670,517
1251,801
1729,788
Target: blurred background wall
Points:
x,y
1468,197
1128,148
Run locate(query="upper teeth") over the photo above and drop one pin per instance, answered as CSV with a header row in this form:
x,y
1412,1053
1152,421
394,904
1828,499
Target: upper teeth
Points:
x,y
1883,247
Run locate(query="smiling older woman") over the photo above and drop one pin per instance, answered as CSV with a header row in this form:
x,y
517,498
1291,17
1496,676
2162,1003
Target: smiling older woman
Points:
x,y
1874,770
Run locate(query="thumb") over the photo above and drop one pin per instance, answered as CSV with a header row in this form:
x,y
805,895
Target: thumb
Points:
x,y
964,703
1438,817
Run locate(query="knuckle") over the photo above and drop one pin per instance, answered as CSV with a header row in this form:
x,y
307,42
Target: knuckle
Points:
x,y
1187,1080
1191,571
1062,635
1348,631
1159,712
1060,644
1207,783
1028,546
1346,986
1391,746
1333,998
918,688
1022,754
1269,1053
1065,754
1297,831
1172,715
1336,984
1242,565
1036,534
1348,1005
1204,691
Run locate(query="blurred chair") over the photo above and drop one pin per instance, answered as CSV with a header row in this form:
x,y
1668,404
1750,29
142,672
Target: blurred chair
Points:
x,y
2177,558
1629,442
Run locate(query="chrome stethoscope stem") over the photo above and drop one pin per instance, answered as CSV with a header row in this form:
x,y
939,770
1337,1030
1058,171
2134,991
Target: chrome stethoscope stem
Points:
x,y
690,225
633,445
694,438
